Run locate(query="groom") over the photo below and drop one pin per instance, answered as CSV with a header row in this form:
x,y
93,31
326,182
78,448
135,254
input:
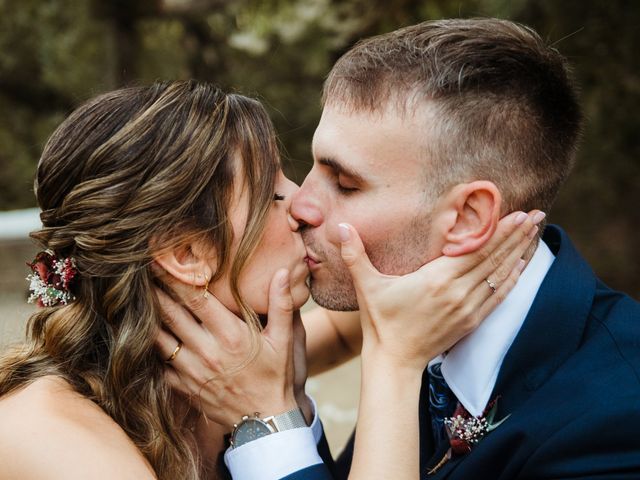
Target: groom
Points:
x,y
410,119
429,135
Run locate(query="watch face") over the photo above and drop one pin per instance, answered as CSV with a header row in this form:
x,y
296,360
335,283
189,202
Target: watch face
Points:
x,y
250,429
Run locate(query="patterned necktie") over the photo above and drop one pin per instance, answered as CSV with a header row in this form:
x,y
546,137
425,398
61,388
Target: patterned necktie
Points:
x,y
442,404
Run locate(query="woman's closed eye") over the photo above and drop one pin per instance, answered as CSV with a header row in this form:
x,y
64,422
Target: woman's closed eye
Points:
x,y
278,197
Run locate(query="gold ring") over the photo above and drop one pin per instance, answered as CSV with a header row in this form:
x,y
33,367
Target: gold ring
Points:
x,y
175,353
492,285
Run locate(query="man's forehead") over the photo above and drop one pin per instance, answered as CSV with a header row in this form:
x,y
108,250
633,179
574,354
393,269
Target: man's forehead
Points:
x,y
340,148
364,140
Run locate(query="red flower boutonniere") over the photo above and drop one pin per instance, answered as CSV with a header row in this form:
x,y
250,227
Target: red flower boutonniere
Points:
x,y
465,430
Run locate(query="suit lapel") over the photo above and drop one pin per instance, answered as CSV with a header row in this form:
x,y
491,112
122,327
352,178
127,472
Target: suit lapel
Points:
x,y
554,326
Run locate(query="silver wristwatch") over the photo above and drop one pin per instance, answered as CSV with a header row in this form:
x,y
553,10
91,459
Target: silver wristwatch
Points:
x,y
252,428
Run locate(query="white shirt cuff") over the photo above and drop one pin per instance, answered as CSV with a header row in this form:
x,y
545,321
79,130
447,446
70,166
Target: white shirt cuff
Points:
x,y
277,455
316,424
274,456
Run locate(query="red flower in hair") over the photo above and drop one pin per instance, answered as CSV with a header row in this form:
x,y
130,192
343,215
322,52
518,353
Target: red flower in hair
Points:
x,y
51,280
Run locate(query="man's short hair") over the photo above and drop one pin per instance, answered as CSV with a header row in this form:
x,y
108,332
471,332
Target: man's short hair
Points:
x,y
503,103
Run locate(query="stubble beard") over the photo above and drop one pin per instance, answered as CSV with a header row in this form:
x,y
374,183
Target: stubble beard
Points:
x,y
396,256
338,292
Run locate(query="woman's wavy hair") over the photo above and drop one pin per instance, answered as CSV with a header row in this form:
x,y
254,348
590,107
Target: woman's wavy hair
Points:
x,y
128,169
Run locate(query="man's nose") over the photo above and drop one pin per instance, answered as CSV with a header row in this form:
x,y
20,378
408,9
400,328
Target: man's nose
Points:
x,y
305,206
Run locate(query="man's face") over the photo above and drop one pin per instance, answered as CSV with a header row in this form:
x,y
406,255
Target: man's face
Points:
x,y
370,171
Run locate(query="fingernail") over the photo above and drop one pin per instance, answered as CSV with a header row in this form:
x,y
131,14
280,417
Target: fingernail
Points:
x,y
520,218
538,217
345,234
521,265
533,232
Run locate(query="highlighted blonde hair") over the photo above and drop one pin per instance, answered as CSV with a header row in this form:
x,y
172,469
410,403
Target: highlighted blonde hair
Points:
x,y
130,168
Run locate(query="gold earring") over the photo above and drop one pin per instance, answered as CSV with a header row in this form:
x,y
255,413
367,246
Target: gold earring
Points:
x,y
206,287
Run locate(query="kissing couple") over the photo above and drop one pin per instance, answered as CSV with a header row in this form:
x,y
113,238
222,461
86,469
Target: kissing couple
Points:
x,y
176,256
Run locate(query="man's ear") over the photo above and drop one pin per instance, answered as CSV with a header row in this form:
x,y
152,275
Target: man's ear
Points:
x,y
190,262
472,212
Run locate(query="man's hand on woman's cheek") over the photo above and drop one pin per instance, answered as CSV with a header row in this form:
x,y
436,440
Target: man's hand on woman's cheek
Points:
x,y
224,368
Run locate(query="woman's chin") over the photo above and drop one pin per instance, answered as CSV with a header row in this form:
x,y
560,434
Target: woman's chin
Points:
x,y
300,294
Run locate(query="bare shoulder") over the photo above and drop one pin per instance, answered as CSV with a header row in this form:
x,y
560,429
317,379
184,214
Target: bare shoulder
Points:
x,y
50,432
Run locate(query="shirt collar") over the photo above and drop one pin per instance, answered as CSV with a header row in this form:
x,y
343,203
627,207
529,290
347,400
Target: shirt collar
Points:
x,y
471,367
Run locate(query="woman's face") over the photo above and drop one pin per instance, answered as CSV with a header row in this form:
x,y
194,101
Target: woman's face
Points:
x,y
281,246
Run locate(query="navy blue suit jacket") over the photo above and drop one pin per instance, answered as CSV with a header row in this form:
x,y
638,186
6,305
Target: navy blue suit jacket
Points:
x,y
570,383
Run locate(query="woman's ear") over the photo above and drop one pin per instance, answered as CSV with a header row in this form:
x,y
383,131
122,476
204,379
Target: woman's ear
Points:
x,y
190,262
474,211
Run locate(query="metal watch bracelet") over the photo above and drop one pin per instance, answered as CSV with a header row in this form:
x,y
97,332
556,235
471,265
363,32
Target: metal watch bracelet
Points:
x,y
252,428
294,418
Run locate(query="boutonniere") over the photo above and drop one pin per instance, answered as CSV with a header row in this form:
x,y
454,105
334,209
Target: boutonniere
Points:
x,y
465,430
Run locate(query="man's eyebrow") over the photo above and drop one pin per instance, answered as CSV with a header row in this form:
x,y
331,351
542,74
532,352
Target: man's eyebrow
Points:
x,y
338,168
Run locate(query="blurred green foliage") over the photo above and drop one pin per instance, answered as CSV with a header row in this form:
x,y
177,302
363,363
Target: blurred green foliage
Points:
x,y
56,53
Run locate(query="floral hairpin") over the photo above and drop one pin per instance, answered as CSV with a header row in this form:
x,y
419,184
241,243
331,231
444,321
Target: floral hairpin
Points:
x,y
51,280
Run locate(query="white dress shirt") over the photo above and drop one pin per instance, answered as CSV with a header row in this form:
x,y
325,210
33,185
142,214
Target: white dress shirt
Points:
x,y
470,368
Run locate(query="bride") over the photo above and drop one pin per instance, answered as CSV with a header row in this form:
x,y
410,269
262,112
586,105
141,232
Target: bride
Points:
x,y
175,183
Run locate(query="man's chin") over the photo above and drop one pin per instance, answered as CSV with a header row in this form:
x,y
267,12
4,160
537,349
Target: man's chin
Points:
x,y
339,299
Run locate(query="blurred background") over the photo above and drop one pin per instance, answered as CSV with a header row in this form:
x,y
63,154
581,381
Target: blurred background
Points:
x,y
54,54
